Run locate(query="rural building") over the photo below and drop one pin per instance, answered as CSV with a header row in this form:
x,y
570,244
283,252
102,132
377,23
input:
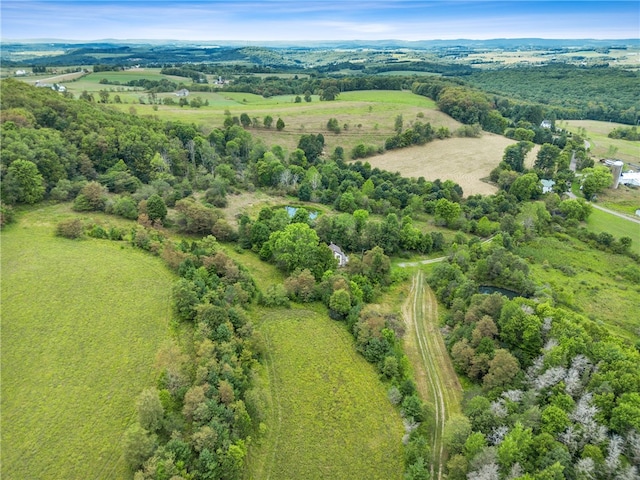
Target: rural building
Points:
x,y
620,177
630,179
53,86
546,124
20,73
182,93
547,185
342,257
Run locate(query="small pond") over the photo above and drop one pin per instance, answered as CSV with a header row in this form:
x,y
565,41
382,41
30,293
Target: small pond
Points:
x,y
486,289
291,211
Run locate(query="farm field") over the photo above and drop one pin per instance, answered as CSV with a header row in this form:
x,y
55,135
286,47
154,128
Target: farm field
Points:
x,y
623,199
328,415
600,221
368,115
621,57
601,145
588,280
81,324
464,160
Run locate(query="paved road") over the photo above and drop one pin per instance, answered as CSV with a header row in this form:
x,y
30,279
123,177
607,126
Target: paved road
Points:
x,y
617,214
607,210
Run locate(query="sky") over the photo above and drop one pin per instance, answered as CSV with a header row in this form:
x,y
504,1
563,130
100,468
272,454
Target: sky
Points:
x,y
312,20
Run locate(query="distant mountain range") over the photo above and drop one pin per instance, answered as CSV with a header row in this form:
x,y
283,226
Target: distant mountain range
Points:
x,y
509,43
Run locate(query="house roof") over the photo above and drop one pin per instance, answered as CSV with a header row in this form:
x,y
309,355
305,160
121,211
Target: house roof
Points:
x,y
336,249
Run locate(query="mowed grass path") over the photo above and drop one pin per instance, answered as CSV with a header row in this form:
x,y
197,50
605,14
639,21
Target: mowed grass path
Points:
x,y
81,324
329,416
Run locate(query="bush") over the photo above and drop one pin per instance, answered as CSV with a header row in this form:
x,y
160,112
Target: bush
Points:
x,y
96,231
71,228
7,215
125,207
469,131
274,296
92,197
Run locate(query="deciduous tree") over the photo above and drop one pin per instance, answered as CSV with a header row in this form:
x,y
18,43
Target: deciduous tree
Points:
x,y
23,183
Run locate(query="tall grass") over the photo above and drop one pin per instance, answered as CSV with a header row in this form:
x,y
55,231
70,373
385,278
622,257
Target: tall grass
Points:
x,y
329,416
81,323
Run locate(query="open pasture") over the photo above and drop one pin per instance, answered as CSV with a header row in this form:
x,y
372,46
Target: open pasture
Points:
x,y
602,146
600,221
81,324
328,415
464,160
623,199
588,280
369,116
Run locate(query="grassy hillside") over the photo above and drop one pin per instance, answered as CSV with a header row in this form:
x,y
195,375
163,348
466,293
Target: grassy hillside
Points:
x,y
602,146
587,280
328,415
600,221
81,323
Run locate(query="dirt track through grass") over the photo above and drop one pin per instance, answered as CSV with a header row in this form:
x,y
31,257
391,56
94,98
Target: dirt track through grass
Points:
x,y
435,377
327,415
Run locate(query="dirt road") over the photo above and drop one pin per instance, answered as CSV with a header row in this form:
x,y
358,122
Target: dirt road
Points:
x,y
435,377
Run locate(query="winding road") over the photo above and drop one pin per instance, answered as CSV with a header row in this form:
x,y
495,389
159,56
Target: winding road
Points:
x,y
436,379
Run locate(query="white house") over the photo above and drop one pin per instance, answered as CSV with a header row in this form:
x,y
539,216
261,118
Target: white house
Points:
x,y
20,73
545,124
547,185
182,93
342,257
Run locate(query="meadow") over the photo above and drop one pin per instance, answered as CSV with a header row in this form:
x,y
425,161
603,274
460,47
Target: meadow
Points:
x,y
600,221
81,323
328,415
601,145
588,281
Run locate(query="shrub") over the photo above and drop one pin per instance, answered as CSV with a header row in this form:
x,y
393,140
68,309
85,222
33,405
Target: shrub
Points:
x,y
7,215
274,296
71,228
125,207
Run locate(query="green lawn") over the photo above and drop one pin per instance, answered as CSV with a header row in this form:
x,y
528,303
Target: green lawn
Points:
x,y
81,324
600,221
329,416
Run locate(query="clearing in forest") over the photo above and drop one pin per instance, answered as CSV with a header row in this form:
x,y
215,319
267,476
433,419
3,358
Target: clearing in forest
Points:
x,y
436,379
328,416
81,323
466,161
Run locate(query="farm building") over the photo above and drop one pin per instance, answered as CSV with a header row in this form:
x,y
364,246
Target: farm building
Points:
x,y
620,177
630,178
53,86
546,124
182,93
342,257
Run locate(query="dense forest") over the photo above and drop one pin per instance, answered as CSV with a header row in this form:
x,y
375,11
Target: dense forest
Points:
x,y
605,93
554,394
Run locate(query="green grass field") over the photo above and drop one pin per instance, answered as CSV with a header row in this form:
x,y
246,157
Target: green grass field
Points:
x,y
601,145
329,416
591,283
600,221
81,324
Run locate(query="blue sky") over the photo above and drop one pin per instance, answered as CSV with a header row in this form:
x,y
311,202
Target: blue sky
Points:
x,y
310,20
